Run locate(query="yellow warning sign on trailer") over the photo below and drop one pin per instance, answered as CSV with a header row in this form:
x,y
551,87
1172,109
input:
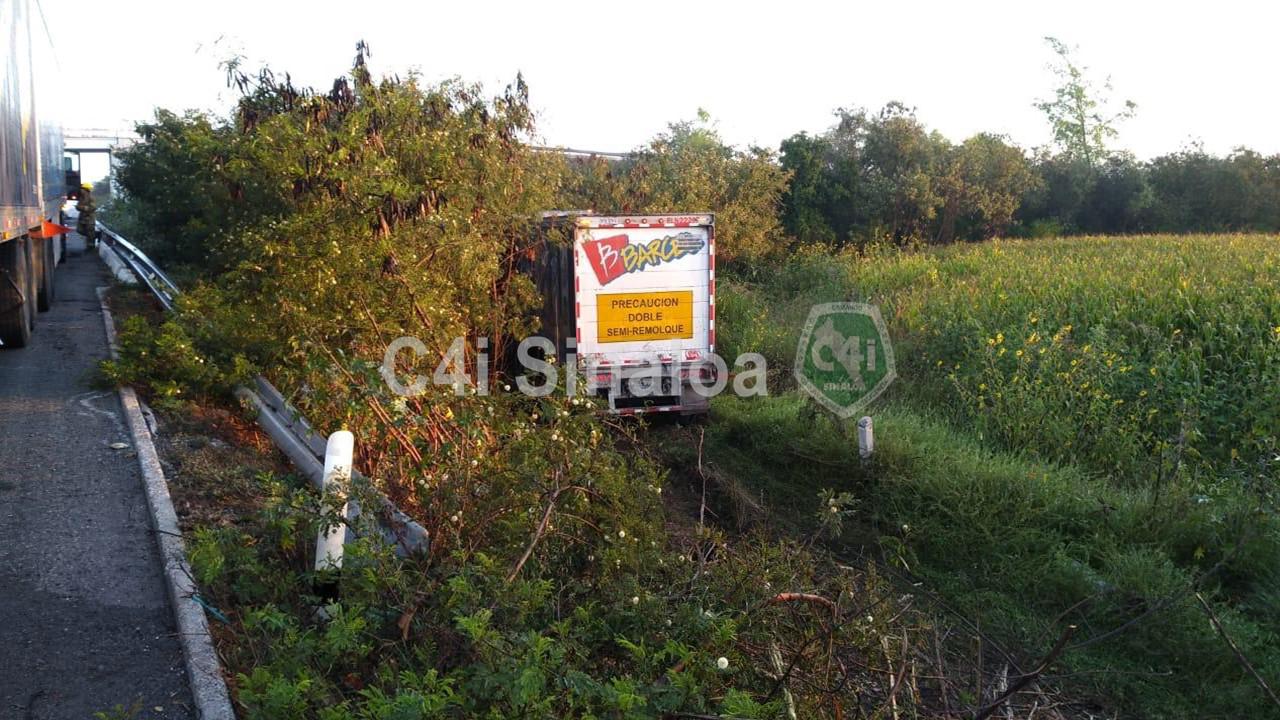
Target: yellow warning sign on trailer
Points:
x,y
637,317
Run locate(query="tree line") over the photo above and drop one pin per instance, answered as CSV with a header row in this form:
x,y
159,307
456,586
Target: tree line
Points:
x,y
884,176
873,177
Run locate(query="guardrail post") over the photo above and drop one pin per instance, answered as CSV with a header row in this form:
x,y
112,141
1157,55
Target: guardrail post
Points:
x,y
866,438
338,456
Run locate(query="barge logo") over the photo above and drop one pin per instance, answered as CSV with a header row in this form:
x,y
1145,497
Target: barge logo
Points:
x,y
614,256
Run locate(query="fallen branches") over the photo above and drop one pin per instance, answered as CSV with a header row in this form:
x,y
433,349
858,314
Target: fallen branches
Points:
x,y
1026,679
1244,661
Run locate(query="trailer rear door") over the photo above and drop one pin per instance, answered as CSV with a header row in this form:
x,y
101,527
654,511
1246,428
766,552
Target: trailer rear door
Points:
x,y
645,288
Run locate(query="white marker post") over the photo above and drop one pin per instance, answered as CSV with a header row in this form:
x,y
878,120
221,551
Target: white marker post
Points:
x,y
338,456
866,438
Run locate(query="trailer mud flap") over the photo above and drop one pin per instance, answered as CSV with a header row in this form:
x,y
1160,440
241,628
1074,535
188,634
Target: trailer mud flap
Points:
x,y
15,315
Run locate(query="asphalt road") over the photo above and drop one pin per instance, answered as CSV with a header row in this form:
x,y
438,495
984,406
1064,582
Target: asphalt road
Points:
x,y
84,621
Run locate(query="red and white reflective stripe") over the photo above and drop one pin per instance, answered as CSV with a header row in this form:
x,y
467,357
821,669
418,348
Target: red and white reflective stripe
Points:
x,y
643,225
577,306
711,289
637,222
643,410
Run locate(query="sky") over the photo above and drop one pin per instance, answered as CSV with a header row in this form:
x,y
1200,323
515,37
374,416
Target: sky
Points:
x,y
609,75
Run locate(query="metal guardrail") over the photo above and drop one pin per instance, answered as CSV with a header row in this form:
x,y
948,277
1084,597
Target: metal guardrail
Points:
x,y
577,152
305,448
291,432
142,266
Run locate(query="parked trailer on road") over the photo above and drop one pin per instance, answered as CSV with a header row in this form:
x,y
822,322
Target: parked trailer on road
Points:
x,y
633,299
32,180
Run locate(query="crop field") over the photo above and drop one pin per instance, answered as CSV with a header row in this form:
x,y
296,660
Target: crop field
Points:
x,y
1084,433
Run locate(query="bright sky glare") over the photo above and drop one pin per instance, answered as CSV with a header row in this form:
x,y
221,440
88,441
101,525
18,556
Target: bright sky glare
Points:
x,y
609,75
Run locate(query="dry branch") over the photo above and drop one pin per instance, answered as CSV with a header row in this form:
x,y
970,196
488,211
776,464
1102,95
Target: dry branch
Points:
x,y
1026,679
537,534
801,597
1262,683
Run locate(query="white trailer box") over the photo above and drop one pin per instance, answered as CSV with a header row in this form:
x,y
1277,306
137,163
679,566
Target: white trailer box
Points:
x,y
643,294
32,181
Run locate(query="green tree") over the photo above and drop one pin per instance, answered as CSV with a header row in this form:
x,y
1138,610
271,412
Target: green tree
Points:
x,y
174,183
1055,206
902,162
689,167
807,203
887,176
1080,113
1120,199
983,186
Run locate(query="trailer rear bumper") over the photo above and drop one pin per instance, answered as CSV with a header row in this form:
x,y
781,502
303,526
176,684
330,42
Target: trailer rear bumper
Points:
x,y
633,389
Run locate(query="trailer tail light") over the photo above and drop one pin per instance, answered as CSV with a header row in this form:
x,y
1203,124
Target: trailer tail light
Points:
x,y
666,357
692,354
702,373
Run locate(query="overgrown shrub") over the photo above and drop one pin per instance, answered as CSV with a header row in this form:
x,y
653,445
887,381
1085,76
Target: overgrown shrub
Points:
x,y
166,360
689,168
644,628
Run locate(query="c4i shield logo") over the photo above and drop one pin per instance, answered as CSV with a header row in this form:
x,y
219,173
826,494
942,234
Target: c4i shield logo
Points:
x,y
844,359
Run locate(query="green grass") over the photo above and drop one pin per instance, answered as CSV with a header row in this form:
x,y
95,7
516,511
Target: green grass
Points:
x,y
1081,423
1099,351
